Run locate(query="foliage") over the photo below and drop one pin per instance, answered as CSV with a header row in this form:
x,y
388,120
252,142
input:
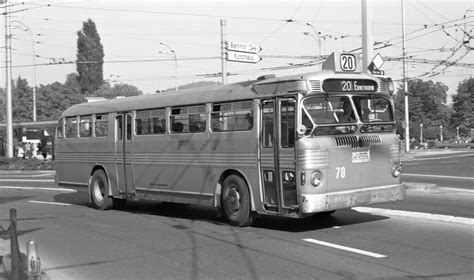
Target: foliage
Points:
x,y
427,106
22,100
463,104
54,98
90,58
25,164
108,92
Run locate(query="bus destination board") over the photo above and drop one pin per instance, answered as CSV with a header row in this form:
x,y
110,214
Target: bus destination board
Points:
x,y
349,85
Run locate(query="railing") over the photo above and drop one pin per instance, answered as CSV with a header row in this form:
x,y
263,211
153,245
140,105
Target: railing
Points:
x,y
17,265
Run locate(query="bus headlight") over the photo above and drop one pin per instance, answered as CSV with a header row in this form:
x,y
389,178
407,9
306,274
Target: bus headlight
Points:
x,y
316,178
397,170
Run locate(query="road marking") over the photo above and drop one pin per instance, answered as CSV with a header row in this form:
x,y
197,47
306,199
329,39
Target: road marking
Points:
x,y
416,215
438,176
52,203
36,188
345,248
27,180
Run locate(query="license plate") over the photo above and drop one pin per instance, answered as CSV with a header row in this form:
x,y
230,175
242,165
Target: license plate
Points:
x,y
362,156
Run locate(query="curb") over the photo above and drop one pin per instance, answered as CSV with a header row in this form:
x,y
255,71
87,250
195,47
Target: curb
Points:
x,y
421,186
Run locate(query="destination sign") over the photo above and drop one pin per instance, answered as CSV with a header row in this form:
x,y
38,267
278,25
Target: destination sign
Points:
x,y
349,85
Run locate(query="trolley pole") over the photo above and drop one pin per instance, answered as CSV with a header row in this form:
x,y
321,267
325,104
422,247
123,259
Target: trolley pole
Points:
x,y
223,60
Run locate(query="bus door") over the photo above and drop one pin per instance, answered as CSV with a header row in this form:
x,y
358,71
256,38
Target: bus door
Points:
x,y
278,161
124,152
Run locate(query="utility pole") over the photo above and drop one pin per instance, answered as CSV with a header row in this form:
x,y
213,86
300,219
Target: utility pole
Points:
x,y
223,60
367,36
8,82
405,85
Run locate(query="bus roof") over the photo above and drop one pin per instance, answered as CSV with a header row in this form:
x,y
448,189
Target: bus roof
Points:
x,y
217,93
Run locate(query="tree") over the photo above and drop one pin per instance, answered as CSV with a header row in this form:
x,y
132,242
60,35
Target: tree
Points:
x,y
90,58
22,100
54,98
463,104
427,106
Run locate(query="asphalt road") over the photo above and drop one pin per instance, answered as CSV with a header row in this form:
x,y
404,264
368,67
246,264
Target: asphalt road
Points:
x,y
164,241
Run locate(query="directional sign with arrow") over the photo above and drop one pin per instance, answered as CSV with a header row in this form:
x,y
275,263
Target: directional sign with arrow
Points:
x,y
243,57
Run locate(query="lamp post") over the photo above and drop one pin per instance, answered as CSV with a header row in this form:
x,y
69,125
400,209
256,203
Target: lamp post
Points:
x,y
441,133
421,132
26,28
457,132
173,52
318,37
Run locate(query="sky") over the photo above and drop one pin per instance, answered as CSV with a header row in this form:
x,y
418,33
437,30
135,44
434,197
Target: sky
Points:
x,y
138,37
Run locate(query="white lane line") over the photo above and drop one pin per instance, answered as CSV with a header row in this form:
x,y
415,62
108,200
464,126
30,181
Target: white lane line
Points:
x,y
36,188
27,180
416,215
438,176
52,203
345,248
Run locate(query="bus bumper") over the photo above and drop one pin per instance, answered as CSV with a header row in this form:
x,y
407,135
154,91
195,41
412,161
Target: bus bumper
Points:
x,y
314,203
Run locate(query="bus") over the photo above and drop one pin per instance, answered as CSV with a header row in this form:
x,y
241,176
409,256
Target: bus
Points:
x,y
291,146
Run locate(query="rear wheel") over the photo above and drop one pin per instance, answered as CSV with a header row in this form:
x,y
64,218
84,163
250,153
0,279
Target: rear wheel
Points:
x,y
236,202
99,188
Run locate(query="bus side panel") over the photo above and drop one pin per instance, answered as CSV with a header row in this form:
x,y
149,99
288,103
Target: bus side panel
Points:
x,y
186,168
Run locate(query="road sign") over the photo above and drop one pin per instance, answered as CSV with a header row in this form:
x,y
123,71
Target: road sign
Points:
x,y
243,47
243,57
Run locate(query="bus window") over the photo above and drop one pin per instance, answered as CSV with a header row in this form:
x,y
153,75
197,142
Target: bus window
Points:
x,y
119,123
188,119
372,108
85,126
60,129
267,125
101,125
150,122
71,127
235,116
287,124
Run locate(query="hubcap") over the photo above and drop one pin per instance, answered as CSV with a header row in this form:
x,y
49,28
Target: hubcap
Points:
x,y
99,190
233,200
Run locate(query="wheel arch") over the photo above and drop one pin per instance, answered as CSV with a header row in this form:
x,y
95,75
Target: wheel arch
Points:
x,y
218,188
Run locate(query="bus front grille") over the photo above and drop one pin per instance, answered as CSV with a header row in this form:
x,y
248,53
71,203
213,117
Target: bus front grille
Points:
x,y
355,141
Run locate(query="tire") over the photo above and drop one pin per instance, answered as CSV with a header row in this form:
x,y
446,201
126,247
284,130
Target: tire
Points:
x,y
99,188
236,202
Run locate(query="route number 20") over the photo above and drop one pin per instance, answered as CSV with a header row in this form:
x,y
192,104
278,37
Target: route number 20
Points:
x,y
348,62
340,172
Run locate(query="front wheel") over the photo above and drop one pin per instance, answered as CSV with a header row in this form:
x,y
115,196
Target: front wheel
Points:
x,y
99,188
236,202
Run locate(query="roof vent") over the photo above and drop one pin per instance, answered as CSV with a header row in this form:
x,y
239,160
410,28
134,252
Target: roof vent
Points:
x,y
264,77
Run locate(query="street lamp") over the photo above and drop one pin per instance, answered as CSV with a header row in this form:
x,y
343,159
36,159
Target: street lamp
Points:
x,y
175,64
317,34
26,28
441,133
421,132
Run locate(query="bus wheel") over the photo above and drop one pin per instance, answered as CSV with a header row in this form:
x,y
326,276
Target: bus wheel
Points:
x,y
236,202
99,187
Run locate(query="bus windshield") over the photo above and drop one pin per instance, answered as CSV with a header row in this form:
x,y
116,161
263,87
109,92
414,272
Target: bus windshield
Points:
x,y
325,115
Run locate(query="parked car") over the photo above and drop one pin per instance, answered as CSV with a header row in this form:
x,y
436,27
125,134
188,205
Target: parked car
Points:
x,y
456,144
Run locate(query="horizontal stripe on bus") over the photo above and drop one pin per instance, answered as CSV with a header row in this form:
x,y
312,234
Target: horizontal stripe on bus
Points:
x,y
176,193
